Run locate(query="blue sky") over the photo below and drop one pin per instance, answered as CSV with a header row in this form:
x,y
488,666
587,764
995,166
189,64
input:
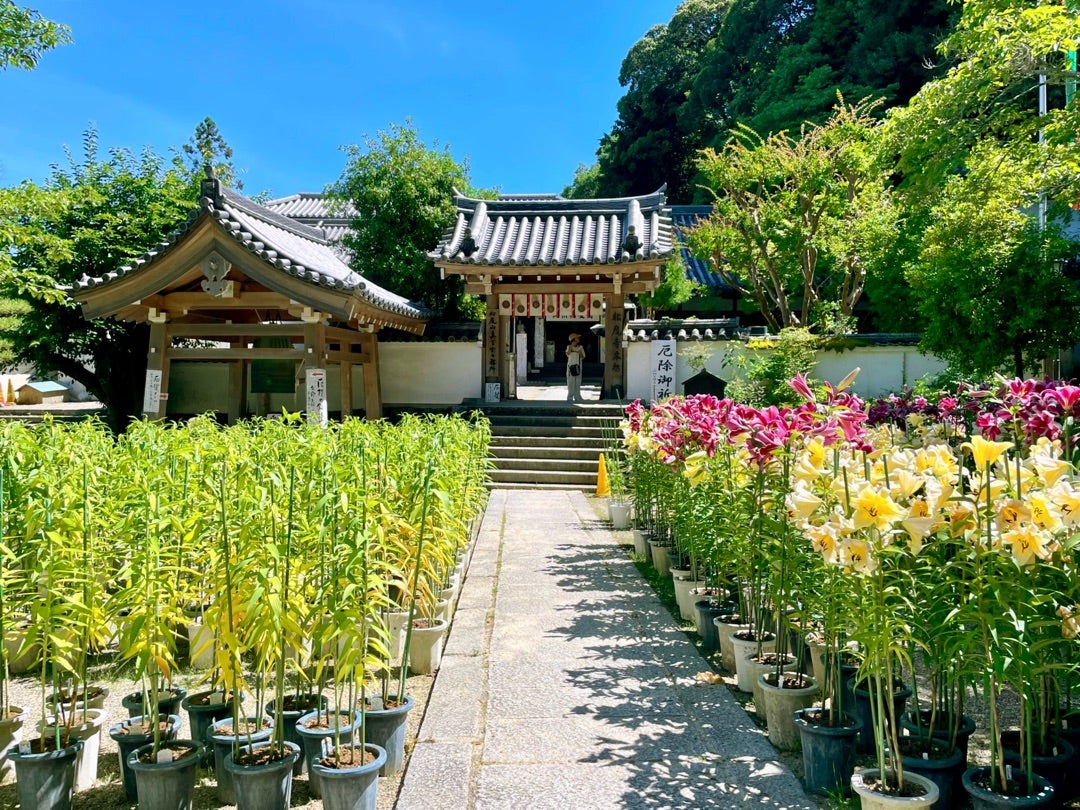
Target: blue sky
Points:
x,y
523,90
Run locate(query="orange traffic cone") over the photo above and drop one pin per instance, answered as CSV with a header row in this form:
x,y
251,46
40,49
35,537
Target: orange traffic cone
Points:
x,y
602,486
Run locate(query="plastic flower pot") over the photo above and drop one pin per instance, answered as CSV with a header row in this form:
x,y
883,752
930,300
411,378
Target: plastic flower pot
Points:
x,y
385,728
10,736
224,738
295,707
128,737
314,727
351,788
45,779
166,783
921,792
828,751
86,726
168,702
266,785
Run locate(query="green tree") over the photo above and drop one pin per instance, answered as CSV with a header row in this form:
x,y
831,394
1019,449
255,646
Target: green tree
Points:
x,y
25,36
89,218
403,193
799,221
586,183
676,288
804,53
991,292
208,147
998,53
650,144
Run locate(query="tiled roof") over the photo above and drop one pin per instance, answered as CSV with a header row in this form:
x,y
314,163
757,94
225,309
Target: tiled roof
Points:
x,y
647,330
300,250
313,208
542,229
684,217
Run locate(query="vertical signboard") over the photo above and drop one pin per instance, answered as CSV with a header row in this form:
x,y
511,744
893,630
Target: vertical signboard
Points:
x,y
663,369
316,396
491,346
152,392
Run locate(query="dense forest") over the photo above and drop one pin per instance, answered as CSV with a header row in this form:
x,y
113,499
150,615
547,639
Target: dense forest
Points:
x,y
771,65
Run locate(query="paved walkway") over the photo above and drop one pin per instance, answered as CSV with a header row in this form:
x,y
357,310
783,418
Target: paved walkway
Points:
x,y
566,684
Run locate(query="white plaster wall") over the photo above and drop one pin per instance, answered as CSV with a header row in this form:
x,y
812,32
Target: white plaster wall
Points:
x,y
410,374
882,368
429,373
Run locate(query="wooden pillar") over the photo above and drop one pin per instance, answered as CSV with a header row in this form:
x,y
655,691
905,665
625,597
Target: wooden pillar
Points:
x,y
345,377
505,371
156,389
614,353
372,388
236,391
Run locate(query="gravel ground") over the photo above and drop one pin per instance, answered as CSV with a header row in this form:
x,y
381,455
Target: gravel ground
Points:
x,y
108,791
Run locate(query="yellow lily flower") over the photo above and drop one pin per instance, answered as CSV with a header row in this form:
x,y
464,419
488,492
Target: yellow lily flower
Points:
x,y
1070,622
810,464
801,502
919,527
1010,514
1066,501
985,452
1044,514
855,554
696,469
904,483
874,507
1027,543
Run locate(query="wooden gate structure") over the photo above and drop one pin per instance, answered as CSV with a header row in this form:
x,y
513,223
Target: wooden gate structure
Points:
x,y
239,283
543,254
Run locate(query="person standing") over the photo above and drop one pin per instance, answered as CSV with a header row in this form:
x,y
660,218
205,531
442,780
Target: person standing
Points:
x,y
575,362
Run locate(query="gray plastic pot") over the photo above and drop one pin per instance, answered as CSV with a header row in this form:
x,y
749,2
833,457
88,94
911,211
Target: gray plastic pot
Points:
x,y
166,785
223,739
312,741
126,743
386,729
351,788
46,779
263,787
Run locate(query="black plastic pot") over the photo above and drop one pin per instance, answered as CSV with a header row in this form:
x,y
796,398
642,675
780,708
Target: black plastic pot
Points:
x,y
828,751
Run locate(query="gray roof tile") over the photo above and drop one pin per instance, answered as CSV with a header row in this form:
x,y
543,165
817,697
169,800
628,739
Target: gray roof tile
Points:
x,y
547,229
315,209
298,249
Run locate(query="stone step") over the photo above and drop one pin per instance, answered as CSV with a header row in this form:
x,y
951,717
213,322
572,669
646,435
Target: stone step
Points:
x,y
593,445
553,431
589,466
567,453
568,480
546,486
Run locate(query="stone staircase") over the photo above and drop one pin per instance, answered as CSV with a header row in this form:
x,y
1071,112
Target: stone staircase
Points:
x,y
542,445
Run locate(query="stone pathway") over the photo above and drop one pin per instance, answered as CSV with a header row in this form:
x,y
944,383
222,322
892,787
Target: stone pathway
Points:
x,y
565,684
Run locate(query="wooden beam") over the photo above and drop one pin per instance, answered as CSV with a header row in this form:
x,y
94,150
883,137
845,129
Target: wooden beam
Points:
x,y
219,355
179,302
209,330
346,357
559,288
